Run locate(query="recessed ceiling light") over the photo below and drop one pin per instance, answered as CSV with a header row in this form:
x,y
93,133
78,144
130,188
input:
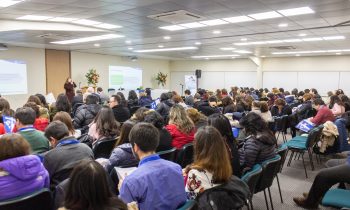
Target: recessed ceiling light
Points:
x,y
265,15
297,55
227,48
296,11
197,43
263,56
107,26
172,27
238,19
318,51
243,51
274,41
338,53
62,19
292,40
130,48
206,58
160,46
166,37
86,22
88,39
312,39
33,17
283,25
97,45
333,37
302,34
167,49
193,25
214,22
7,3
233,57
215,56
217,32
333,51
128,41
244,39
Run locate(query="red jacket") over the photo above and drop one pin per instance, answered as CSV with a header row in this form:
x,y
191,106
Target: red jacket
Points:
x,y
2,129
179,138
41,123
323,115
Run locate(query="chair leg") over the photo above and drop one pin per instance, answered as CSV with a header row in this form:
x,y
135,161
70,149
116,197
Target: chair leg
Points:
x,y
302,156
267,205
311,161
268,189
290,158
279,187
251,203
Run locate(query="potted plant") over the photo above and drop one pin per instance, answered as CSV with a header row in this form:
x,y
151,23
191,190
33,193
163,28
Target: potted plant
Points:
x,y
92,77
161,79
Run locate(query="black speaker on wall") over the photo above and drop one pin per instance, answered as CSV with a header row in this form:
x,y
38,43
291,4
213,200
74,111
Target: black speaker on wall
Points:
x,y
198,73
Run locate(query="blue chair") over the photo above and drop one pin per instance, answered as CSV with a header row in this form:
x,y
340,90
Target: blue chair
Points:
x,y
188,205
281,151
338,198
168,154
251,178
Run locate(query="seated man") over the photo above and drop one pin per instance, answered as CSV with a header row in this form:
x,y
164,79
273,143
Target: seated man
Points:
x,y
121,113
86,113
25,118
66,152
209,108
323,115
156,183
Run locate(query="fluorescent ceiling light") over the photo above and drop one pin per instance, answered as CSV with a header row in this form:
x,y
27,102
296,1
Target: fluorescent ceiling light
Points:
x,y
238,19
214,22
7,3
312,39
227,48
97,45
172,28
193,25
331,51
302,35
318,51
242,43
311,52
333,37
274,41
160,46
197,43
265,15
33,17
217,32
130,48
166,37
292,40
283,25
338,53
88,39
107,26
297,55
243,51
296,11
166,49
62,19
214,56
128,41
244,39
257,43
86,22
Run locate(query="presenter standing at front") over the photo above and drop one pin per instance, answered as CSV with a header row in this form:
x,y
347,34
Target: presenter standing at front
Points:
x,y
69,87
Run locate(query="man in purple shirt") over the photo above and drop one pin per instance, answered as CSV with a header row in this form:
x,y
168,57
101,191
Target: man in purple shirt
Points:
x,y
156,184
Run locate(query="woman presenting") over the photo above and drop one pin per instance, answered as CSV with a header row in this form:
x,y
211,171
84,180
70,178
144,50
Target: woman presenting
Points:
x,y
69,87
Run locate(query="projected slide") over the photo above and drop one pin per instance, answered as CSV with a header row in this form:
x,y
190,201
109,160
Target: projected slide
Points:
x,y
125,77
13,77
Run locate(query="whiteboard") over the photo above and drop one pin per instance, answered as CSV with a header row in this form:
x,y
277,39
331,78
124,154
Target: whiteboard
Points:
x,y
322,81
344,82
286,80
240,79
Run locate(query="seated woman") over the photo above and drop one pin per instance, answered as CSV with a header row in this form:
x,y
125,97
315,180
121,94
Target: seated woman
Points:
x,y
62,104
228,105
43,112
197,118
323,115
336,105
260,143
4,110
144,100
164,106
280,108
40,122
178,100
20,172
262,108
304,110
66,119
88,189
180,127
133,100
211,166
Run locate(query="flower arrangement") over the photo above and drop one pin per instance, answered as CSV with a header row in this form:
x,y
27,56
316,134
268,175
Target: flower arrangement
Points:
x,y
92,77
161,78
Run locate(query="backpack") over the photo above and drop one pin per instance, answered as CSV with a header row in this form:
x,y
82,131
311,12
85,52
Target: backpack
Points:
x,y
228,196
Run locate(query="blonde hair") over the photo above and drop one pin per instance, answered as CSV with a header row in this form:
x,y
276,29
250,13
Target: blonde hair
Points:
x,y
179,117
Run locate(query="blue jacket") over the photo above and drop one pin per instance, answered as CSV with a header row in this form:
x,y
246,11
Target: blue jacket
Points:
x,y
121,156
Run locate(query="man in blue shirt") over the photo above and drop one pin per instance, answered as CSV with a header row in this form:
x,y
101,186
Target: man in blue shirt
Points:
x,y
156,184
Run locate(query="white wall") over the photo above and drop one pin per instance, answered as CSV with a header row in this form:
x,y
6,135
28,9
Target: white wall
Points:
x,y
35,59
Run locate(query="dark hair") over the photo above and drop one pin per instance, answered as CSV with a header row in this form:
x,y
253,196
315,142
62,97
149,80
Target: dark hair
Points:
x,y
140,113
148,91
57,130
25,115
223,125
122,97
132,95
66,119
154,118
339,92
281,90
253,123
99,89
264,107
307,90
314,91
88,188
226,101
124,132
35,107
188,92
224,91
146,136
91,99
164,97
63,104
106,125
213,99
42,99
318,101
334,99
4,106
34,99
280,102
13,145
117,98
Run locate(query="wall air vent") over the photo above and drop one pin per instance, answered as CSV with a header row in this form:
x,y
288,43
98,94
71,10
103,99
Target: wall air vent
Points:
x,y
178,16
54,36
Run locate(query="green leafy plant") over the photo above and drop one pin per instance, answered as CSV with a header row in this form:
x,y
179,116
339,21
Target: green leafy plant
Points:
x,y
161,78
92,77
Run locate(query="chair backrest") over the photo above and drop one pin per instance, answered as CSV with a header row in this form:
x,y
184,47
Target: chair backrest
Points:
x,y
39,200
282,151
185,155
282,123
314,136
168,154
270,169
104,147
190,204
252,177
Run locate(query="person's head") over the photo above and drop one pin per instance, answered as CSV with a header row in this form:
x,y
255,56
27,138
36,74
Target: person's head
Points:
x,y
90,90
195,115
106,125
91,99
210,153
34,99
63,104
144,138
140,113
318,103
24,116
66,119
339,92
281,90
264,107
307,97
132,95
344,99
187,92
122,97
4,106
155,119
164,97
56,131
34,107
226,101
330,93
197,97
314,91
256,104
280,103
177,99
307,90
99,90
213,100
148,92
124,132
114,100
224,92
334,99
88,188
13,145
253,123
222,124
68,80
42,99
179,117
79,92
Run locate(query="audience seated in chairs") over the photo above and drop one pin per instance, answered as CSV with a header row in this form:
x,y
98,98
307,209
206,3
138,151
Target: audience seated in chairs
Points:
x,y
20,172
323,115
336,105
144,99
86,113
197,118
156,183
66,152
40,123
189,100
210,107
62,104
120,111
164,105
43,111
67,120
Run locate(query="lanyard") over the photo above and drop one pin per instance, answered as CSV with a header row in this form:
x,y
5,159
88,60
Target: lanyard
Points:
x,y
29,128
149,158
67,142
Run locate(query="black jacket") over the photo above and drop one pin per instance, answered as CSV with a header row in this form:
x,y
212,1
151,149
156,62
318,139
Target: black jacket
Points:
x,y
77,99
208,110
286,110
84,116
163,107
189,100
165,140
121,113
